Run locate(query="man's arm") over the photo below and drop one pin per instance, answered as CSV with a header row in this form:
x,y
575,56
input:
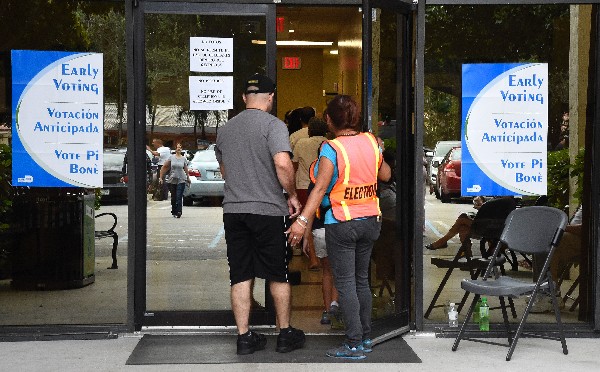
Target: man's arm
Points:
x,y
287,179
154,152
222,168
285,172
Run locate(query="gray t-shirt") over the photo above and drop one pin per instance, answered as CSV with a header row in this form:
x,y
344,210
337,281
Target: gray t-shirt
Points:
x,y
245,147
177,174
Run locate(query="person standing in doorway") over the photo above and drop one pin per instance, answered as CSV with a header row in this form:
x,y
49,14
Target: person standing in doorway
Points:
x,y
305,114
253,151
346,173
177,168
305,152
163,153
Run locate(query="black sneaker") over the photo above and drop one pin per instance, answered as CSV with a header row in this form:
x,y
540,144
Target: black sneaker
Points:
x,y
290,339
250,342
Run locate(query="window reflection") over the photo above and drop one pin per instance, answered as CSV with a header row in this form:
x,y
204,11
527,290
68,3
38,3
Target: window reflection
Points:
x,y
512,33
75,26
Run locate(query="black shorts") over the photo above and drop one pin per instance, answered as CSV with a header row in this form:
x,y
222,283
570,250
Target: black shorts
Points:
x,y
256,247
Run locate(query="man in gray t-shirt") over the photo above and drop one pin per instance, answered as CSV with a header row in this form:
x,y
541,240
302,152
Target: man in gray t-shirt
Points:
x,y
253,151
246,147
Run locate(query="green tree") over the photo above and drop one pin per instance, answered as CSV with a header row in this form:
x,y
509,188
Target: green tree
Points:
x,y
558,178
458,34
104,32
49,25
167,60
440,120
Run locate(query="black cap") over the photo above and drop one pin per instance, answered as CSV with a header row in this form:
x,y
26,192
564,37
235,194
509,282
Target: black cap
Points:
x,y
258,83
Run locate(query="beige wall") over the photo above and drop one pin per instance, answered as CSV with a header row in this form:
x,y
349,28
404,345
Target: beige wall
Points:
x,y
350,49
581,23
321,72
303,87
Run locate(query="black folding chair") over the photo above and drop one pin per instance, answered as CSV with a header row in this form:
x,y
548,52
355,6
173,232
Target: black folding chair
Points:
x,y
489,222
487,227
530,230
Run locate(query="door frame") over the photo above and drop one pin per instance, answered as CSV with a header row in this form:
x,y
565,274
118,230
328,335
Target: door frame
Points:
x,y
137,316
406,189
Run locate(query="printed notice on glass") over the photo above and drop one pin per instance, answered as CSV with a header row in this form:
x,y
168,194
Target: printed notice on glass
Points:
x,y
211,92
211,54
57,119
504,129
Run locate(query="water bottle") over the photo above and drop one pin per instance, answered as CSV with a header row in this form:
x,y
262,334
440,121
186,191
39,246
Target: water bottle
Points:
x,y
452,315
484,315
476,311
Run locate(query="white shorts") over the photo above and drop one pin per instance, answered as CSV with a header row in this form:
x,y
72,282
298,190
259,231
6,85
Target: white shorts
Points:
x,y
319,240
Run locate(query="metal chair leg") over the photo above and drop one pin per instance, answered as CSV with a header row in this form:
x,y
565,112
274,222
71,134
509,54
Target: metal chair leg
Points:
x,y
505,317
557,315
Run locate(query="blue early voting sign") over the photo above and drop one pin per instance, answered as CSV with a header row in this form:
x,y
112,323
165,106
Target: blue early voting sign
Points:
x,y
504,129
57,118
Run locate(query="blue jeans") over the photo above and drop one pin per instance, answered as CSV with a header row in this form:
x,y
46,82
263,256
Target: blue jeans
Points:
x,y
176,190
349,245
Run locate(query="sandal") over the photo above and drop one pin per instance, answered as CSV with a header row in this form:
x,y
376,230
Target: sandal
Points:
x,y
468,254
430,246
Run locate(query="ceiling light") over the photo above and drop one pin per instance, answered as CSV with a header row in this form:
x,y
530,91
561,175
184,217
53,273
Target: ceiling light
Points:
x,y
296,43
304,43
290,31
333,51
357,43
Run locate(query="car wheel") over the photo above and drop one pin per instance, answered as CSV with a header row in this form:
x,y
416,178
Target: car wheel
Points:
x,y
445,198
187,201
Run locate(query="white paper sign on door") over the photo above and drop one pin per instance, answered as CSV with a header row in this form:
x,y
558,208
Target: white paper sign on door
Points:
x,y
211,54
211,92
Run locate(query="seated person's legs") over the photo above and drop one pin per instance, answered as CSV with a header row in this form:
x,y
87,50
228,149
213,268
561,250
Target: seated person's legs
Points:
x,y
568,249
461,227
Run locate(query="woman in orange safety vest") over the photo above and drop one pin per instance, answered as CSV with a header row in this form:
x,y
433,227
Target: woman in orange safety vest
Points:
x,y
345,177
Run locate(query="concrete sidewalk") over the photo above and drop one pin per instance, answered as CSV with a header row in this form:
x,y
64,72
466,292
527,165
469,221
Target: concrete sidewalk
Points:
x,y
111,355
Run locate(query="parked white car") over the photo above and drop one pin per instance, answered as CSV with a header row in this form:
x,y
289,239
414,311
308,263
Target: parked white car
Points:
x,y
205,176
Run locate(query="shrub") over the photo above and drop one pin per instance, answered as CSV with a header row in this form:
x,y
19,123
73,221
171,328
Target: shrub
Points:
x,y
558,178
6,190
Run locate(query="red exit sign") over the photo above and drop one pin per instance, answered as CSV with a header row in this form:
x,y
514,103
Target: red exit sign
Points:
x,y
291,63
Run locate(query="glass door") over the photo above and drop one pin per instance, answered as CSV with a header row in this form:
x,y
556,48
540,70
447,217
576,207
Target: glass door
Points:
x,y
387,104
193,60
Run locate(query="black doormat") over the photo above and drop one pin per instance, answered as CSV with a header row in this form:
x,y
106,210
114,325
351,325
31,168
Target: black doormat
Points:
x,y
221,349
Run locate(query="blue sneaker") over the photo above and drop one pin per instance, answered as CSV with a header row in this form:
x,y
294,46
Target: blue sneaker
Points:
x,y
366,345
325,318
346,352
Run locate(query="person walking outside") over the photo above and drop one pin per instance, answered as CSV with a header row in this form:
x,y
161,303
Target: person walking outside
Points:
x,y
176,165
163,153
347,171
253,151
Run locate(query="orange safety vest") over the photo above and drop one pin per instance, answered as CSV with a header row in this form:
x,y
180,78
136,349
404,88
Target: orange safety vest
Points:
x,y
354,195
